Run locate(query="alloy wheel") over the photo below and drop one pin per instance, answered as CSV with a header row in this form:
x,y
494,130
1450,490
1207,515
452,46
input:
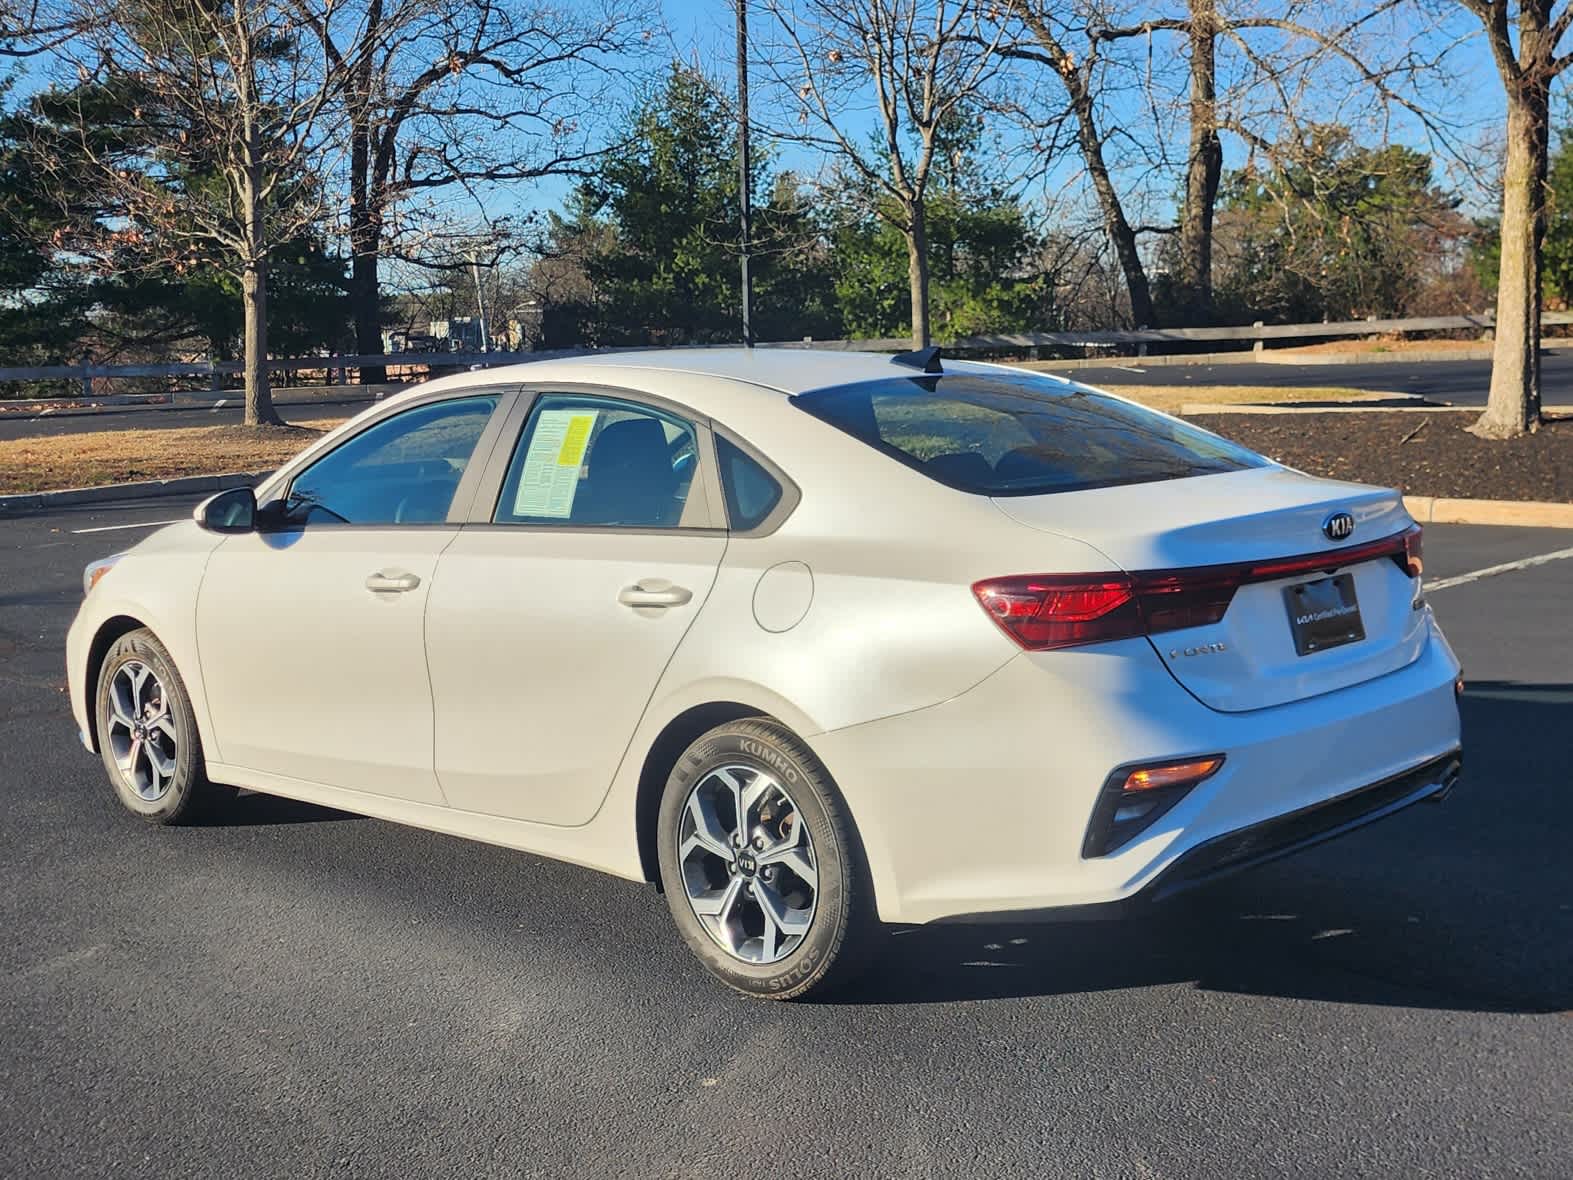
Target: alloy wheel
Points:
x,y
747,863
142,733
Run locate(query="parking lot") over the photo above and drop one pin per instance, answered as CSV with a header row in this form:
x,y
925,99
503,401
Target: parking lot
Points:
x,y
296,991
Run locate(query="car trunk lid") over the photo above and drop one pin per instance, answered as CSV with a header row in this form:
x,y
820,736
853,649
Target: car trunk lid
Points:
x,y
1243,525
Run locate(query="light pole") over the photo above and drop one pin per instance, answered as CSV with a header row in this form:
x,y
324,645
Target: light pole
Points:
x,y
743,168
480,301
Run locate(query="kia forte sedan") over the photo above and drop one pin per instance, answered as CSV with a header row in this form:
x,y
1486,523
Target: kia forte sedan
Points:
x,y
814,642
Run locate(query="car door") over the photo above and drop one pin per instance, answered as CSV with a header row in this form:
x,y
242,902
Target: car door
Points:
x,y
310,630
552,619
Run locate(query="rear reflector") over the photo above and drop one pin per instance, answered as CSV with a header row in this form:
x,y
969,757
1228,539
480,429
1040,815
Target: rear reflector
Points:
x,y
1152,778
1047,611
1133,799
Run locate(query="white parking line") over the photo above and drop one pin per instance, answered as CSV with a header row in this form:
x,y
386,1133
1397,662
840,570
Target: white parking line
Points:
x,y
220,404
1127,369
1491,571
141,524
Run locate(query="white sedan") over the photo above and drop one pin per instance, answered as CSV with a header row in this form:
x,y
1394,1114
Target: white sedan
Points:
x,y
815,642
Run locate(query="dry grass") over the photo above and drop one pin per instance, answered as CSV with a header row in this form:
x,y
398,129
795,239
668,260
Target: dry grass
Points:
x,y
1379,345
122,456
1170,398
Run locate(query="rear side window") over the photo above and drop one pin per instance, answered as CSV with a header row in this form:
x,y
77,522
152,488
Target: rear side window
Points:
x,y
751,492
596,462
1002,435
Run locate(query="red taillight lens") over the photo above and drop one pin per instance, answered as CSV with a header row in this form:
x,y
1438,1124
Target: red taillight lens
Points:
x,y
1049,612
1172,602
1044,613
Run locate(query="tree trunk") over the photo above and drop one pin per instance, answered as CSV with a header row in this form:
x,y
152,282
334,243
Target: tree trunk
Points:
x,y
254,298
918,273
1121,235
1203,167
1513,407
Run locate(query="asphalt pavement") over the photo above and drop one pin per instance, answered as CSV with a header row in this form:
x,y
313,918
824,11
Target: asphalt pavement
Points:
x,y
298,992
1460,383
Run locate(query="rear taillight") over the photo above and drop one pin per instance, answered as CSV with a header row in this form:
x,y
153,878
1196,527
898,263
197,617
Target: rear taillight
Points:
x,y
1044,613
1047,611
1414,551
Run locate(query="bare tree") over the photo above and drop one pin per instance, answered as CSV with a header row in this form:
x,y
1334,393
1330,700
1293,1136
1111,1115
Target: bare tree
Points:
x,y
1523,36
193,121
28,29
1262,72
905,67
440,95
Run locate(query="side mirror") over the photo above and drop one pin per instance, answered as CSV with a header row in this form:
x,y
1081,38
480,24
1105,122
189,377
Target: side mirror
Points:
x,y
232,511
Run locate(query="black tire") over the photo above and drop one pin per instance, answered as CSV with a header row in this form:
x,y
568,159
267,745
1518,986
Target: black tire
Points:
x,y
843,932
182,795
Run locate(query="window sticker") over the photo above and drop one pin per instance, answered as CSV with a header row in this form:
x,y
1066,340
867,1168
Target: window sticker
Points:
x,y
550,478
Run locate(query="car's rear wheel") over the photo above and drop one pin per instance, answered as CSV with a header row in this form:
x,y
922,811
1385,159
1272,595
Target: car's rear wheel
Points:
x,y
147,734
761,864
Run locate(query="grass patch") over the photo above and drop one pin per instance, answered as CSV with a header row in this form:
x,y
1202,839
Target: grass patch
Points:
x,y
124,456
1169,398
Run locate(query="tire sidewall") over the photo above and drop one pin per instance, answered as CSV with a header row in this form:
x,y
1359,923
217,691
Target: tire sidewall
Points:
x,y
142,646
758,748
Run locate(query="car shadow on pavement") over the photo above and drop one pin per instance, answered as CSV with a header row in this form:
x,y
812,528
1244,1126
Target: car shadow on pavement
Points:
x,y
1467,905
249,809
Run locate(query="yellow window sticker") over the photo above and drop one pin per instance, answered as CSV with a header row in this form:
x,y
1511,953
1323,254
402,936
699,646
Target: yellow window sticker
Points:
x,y
574,440
550,479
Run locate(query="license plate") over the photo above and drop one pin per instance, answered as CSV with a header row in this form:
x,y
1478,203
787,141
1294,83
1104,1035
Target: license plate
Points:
x,y
1324,614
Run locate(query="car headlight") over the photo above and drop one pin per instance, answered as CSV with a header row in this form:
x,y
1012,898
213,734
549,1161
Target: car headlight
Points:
x,y
94,570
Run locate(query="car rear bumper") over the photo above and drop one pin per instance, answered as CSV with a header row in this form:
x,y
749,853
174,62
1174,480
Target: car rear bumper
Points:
x,y
978,807
1260,843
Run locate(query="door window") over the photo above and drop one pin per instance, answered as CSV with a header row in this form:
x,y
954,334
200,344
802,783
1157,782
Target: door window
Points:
x,y
402,470
591,461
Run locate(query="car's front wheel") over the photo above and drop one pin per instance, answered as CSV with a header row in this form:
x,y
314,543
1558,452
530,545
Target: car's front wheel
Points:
x,y
761,864
147,733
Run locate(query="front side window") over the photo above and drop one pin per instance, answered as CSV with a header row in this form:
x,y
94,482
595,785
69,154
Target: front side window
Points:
x,y
1004,435
402,470
597,462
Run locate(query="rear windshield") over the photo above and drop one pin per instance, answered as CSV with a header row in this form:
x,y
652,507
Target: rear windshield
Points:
x,y
1003,435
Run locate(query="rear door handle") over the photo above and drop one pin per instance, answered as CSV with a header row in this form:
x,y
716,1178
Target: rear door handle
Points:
x,y
382,582
654,592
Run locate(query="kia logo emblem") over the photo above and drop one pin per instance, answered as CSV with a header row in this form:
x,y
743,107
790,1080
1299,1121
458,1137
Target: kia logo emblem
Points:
x,y
1340,526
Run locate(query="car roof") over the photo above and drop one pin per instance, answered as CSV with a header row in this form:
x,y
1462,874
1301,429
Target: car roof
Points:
x,y
784,370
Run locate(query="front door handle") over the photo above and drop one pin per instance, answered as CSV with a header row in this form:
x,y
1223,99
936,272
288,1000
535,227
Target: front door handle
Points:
x,y
382,582
654,592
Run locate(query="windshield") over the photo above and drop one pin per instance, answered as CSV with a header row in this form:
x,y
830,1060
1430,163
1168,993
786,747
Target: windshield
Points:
x,y
1007,435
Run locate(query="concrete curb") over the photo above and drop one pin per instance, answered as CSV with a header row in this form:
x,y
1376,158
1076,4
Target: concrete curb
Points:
x,y
25,502
1534,514
1189,408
